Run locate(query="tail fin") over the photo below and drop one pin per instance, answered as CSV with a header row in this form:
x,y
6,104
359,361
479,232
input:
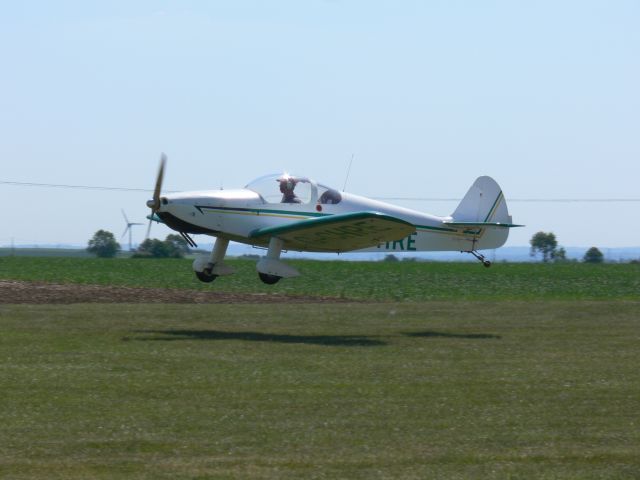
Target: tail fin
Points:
x,y
484,203
483,214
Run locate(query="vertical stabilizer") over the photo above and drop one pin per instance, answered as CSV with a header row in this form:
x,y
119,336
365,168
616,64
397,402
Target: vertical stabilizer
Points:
x,y
483,203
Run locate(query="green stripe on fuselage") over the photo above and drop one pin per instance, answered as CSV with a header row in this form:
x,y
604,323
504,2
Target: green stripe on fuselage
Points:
x,y
258,211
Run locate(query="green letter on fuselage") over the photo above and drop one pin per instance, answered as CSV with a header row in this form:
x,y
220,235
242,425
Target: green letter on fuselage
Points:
x,y
411,242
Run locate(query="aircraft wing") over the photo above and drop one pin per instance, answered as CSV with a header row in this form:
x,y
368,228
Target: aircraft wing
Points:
x,y
338,233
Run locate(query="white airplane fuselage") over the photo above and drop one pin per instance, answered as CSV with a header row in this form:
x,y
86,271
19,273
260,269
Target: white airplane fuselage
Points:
x,y
234,214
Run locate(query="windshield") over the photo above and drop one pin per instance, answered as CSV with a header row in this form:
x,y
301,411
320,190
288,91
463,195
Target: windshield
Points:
x,y
283,188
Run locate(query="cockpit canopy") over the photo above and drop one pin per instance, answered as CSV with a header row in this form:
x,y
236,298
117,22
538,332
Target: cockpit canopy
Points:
x,y
286,188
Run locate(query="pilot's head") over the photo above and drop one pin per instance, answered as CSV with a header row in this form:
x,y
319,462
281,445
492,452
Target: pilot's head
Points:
x,y
287,184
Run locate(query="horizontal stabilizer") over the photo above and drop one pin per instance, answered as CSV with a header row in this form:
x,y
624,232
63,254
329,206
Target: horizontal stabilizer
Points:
x,y
338,233
482,224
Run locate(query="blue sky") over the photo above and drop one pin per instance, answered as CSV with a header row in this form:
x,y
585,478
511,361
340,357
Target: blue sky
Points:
x,y
543,96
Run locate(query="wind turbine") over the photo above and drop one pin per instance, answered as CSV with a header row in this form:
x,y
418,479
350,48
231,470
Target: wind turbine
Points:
x,y
128,229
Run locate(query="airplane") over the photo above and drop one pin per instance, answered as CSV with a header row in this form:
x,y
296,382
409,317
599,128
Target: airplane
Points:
x,y
283,212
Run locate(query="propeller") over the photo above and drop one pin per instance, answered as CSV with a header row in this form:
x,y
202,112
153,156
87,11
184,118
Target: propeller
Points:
x,y
154,204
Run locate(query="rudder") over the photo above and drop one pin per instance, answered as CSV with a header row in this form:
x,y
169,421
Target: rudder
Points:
x,y
484,202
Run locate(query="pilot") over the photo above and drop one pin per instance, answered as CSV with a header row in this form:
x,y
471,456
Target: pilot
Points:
x,y
287,185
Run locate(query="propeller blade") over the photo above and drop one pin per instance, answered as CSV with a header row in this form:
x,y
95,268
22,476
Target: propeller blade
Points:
x,y
156,191
154,204
125,216
146,237
125,232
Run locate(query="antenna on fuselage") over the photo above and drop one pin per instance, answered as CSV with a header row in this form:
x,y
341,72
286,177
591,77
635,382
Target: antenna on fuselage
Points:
x,y
348,172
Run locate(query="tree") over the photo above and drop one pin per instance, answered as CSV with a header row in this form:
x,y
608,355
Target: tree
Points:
x,y
152,248
593,255
178,244
174,246
560,255
103,244
545,243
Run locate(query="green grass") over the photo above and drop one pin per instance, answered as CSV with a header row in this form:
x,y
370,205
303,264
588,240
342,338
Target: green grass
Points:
x,y
453,371
53,252
487,390
404,281
45,252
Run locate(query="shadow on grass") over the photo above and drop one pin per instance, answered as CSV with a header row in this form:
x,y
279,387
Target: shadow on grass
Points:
x,y
472,336
328,340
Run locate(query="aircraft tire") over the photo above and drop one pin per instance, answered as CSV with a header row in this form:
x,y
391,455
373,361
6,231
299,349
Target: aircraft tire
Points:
x,y
205,277
486,263
269,279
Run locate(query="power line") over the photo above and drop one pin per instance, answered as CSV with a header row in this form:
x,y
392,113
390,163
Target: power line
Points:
x,y
574,200
400,199
527,200
78,187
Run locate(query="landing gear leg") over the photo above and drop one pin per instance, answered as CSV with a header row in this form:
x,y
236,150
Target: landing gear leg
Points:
x,y
480,257
273,253
208,269
270,268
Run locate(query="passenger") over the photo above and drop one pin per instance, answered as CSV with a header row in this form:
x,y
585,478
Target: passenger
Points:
x,y
330,197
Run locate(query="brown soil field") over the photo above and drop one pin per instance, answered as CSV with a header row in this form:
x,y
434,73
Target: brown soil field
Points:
x,y
14,291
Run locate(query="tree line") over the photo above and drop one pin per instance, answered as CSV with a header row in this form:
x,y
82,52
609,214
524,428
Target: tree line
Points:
x,y
546,245
103,244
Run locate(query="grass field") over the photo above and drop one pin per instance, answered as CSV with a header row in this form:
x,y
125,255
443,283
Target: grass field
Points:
x,y
436,390
518,371
44,252
53,252
406,281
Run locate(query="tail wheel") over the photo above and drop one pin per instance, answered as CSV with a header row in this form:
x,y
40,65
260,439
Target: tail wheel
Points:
x,y
206,277
269,279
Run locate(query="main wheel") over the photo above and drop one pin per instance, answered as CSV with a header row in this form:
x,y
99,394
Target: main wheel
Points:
x,y
269,279
206,277
486,263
